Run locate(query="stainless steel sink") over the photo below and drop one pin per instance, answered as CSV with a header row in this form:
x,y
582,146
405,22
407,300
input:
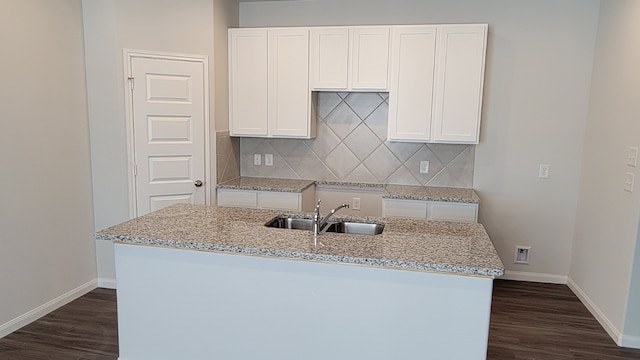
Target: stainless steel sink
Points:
x,y
288,222
348,227
344,227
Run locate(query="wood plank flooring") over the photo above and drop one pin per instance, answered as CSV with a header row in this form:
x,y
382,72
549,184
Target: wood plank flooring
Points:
x,y
529,321
85,329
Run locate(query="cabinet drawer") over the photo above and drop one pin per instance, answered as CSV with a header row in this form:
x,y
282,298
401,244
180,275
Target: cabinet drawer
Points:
x,y
452,212
404,208
279,201
237,198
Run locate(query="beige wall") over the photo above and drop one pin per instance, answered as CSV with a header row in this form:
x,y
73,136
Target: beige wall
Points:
x,y
46,214
227,149
110,26
184,27
607,217
536,95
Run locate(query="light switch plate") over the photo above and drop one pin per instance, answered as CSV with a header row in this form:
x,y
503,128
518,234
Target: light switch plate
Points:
x,y
628,182
257,159
268,159
632,159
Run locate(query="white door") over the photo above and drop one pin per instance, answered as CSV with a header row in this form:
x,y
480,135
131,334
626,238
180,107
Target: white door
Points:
x,y
168,106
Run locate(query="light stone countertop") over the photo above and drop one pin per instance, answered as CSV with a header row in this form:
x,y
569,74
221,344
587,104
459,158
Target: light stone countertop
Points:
x,y
430,193
267,184
447,247
406,192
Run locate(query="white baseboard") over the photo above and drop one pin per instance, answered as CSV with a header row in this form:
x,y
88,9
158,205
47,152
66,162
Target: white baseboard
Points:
x,y
107,283
608,326
534,277
42,310
630,341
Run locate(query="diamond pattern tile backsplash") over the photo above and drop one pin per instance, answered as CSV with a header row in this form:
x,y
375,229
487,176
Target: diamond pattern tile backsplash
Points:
x,y
351,146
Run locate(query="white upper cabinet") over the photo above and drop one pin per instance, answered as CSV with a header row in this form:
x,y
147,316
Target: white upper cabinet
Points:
x,y
434,75
349,58
413,53
248,86
459,83
269,83
329,56
437,76
369,58
289,83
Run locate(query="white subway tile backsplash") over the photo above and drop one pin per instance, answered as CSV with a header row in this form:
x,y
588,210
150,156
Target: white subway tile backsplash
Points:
x,y
351,146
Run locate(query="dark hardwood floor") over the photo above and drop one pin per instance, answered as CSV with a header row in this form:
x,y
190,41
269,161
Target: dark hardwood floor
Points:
x,y
529,321
85,329
532,321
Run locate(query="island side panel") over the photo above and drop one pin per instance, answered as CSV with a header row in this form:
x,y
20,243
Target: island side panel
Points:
x,y
185,304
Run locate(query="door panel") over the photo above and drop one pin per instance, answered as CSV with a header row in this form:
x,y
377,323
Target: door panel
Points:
x,y
169,132
159,201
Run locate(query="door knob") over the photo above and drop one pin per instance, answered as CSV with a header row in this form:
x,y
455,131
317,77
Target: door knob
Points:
x,y
198,183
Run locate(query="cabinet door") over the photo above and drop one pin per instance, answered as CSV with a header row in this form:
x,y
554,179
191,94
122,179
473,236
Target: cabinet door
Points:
x,y
239,198
460,77
329,58
446,211
248,82
279,201
370,58
288,95
411,90
410,209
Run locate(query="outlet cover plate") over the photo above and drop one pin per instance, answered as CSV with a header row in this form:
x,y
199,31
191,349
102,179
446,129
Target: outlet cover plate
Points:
x,y
543,173
522,255
628,181
424,167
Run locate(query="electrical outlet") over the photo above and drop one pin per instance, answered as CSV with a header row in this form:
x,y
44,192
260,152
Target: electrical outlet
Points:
x,y
355,204
522,255
543,173
268,159
257,159
424,167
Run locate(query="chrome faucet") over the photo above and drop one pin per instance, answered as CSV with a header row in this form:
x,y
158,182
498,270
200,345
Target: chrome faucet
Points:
x,y
318,222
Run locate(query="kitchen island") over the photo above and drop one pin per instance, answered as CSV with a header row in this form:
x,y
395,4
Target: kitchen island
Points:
x,y
200,282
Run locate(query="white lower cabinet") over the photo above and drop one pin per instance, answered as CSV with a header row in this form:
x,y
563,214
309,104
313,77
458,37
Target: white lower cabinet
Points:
x,y
275,200
430,210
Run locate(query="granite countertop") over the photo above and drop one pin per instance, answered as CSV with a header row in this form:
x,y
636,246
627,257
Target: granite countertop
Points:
x,y
459,248
267,184
429,193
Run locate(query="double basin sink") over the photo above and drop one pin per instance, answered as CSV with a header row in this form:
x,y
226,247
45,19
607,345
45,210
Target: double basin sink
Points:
x,y
343,226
